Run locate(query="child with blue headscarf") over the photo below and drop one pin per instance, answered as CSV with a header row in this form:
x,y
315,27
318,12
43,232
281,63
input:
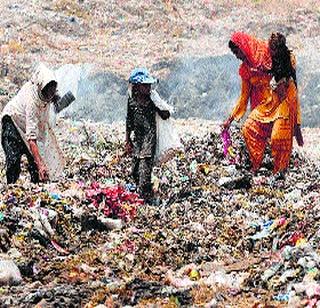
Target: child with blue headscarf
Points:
x,y
141,121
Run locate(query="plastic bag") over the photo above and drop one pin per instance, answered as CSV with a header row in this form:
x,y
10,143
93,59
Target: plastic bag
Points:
x,y
168,140
9,273
52,155
228,149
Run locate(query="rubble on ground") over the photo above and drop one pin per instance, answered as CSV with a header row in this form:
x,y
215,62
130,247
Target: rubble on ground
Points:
x,y
217,235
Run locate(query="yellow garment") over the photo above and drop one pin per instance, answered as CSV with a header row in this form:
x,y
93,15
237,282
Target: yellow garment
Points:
x,y
290,106
288,116
280,131
272,110
270,118
265,104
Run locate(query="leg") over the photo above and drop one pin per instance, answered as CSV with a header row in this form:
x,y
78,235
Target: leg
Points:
x,y
256,135
13,149
145,171
13,168
33,168
281,145
135,169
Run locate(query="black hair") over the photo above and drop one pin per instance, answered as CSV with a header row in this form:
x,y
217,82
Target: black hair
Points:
x,y
281,58
232,45
50,84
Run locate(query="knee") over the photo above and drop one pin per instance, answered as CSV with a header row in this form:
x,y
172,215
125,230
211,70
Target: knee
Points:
x,y
245,129
13,162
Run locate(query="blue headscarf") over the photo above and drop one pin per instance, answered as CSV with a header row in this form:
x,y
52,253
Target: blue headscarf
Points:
x,y
141,75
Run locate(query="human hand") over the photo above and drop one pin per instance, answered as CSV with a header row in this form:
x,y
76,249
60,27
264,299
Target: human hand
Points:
x,y
128,148
43,173
226,124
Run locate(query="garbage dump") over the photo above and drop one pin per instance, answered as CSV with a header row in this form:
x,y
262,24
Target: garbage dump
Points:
x,y
217,236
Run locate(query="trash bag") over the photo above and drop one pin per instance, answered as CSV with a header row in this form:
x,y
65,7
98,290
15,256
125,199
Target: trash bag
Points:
x,y
228,149
52,155
168,140
9,273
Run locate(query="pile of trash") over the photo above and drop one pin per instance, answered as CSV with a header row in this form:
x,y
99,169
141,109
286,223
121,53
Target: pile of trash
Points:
x,y
217,235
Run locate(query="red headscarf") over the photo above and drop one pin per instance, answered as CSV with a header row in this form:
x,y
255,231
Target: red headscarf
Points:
x,y
256,51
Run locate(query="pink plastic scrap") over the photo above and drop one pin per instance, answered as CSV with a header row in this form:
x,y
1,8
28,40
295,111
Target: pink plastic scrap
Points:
x,y
115,201
59,248
226,139
227,146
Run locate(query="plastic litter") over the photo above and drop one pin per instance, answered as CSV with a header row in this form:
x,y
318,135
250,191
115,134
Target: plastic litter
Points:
x,y
91,239
9,273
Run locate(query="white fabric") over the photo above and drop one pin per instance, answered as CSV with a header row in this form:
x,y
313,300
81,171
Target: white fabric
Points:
x,y
52,155
161,103
28,113
168,139
31,117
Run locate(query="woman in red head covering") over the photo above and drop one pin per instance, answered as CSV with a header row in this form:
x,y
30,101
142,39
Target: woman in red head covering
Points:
x,y
256,72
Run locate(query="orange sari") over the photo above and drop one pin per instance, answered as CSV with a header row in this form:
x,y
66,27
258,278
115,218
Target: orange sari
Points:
x,y
279,129
270,118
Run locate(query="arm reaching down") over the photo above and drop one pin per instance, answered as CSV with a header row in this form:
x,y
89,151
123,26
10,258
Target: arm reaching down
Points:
x,y
42,169
241,107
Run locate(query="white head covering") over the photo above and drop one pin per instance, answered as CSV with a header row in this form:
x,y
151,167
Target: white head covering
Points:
x,y
41,77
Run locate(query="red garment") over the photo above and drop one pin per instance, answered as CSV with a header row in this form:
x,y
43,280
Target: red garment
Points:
x,y
254,72
256,135
256,51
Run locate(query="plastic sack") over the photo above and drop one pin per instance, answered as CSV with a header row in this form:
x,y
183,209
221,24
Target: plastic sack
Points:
x,y
168,140
52,155
9,273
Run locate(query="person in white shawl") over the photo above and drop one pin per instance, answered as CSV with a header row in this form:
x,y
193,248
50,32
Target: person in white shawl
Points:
x,y
26,129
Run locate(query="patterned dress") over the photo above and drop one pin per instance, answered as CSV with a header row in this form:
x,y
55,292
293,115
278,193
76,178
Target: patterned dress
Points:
x,y
141,120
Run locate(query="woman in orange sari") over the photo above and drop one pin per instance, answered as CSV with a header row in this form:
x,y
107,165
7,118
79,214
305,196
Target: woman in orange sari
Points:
x,y
275,111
